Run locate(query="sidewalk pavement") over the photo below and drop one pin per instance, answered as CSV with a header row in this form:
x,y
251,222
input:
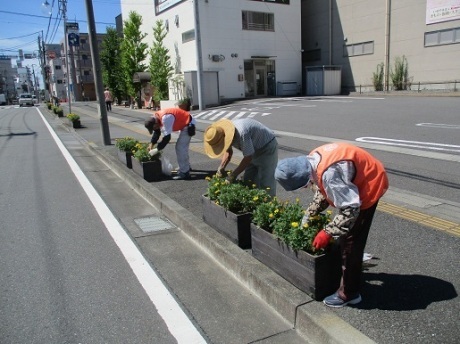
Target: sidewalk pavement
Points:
x,y
172,199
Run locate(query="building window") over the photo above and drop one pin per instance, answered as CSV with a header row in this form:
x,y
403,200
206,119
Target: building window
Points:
x,y
59,81
57,67
188,36
84,57
442,37
82,40
258,21
365,48
86,72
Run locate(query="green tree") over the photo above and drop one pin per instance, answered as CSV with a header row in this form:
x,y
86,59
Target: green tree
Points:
x,y
160,63
134,52
110,55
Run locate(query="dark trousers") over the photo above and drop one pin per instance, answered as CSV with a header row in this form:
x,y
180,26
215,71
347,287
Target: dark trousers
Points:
x,y
109,106
352,250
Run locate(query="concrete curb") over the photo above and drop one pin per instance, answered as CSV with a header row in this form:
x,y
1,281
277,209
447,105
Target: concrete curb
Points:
x,y
308,317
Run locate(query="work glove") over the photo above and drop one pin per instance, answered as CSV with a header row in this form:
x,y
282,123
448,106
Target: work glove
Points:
x,y
230,179
154,151
321,240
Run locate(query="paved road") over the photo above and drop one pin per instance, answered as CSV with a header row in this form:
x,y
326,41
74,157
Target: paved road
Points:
x,y
410,290
414,277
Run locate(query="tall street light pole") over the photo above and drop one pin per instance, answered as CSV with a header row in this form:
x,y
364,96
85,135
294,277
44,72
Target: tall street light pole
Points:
x,y
97,73
64,16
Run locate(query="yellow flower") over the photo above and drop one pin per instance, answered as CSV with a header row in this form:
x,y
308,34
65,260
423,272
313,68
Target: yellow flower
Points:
x,y
329,212
271,216
305,225
255,198
208,178
295,224
277,211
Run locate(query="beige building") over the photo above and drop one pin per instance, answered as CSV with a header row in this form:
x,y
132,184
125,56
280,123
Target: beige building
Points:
x,y
358,35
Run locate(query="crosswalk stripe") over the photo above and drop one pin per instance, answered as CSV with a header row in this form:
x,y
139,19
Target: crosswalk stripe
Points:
x,y
217,115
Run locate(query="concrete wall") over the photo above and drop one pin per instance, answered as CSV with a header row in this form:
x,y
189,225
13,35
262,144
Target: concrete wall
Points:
x,y
357,21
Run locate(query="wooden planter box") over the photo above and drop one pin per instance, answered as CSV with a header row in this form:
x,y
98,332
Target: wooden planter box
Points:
x,y
75,124
150,171
318,276
236,227
125,157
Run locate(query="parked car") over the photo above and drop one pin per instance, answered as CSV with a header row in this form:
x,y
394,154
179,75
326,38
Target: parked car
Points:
x,y
26,99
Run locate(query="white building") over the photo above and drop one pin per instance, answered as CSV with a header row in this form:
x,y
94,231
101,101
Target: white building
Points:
x,y
246,48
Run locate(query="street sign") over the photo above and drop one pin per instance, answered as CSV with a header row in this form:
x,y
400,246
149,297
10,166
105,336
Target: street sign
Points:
x,y
74,39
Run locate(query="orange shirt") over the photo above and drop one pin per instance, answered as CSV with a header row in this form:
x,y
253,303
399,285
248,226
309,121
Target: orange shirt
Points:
x,y
182,117
371,178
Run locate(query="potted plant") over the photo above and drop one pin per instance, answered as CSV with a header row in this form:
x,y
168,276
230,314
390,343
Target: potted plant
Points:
x,y
185,103
74,119
58,111
283,244
125,147
145,165
228,208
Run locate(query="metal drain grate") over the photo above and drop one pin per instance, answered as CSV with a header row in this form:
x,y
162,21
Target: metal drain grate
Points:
x,y
153,224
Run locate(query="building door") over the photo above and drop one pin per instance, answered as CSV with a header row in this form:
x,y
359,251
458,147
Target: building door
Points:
x,y
260,80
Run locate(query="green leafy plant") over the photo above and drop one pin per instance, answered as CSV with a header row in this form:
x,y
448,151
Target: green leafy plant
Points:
x,y
400,75
126,144
73,117
141,153
284,220
236,197
58,111
49,106
377,78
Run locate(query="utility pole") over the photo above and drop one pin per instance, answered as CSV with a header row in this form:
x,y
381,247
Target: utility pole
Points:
x,y
199,57
97,73
64,15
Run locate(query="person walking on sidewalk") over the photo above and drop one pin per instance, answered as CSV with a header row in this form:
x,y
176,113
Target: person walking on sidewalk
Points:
x,y
352,180
165,122
108,99
257,143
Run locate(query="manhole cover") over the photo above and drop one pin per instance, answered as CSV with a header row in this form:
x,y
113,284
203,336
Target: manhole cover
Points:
x,y
153,224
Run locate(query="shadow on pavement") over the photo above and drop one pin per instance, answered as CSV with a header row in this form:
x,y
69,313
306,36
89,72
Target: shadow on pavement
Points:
x,y
394,292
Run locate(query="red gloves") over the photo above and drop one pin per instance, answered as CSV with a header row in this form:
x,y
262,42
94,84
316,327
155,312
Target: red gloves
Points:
x,y
321,240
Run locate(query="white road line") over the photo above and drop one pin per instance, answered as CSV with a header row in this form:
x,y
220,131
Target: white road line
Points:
x,y
438,125
412,144
210,113
177,322
230,113
217,115
241,114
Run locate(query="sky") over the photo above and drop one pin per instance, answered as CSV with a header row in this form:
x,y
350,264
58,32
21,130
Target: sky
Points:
x,y
22,21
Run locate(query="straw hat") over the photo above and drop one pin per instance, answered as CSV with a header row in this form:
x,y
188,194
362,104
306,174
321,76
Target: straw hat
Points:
x,y
218,137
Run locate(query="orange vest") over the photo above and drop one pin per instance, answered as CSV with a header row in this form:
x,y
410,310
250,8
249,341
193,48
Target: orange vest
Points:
x,y
182,117
370,177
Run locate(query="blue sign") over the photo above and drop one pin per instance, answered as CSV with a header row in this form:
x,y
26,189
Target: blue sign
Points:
x,y
74,39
